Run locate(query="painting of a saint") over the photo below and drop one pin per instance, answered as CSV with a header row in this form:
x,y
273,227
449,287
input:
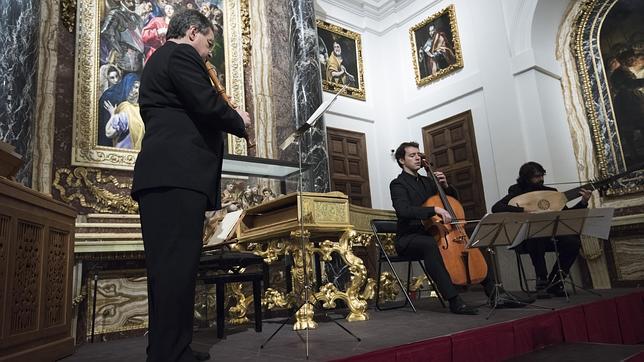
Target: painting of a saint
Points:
x,y
622,49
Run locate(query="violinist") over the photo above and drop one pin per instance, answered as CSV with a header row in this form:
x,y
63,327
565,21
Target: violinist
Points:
x,y
530,179
177,176
408,193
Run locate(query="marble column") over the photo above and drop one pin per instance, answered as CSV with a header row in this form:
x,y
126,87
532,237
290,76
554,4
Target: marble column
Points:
x,y
307,92
19,26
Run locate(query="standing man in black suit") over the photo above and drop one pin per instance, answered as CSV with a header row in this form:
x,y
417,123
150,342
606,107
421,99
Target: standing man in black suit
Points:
x,y
177,176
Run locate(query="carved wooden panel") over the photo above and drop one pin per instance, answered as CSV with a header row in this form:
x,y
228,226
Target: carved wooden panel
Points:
x,y
24,292
36,251
451,147
349,171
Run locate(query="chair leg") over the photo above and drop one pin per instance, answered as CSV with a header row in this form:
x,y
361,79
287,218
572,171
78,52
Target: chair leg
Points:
x,y
220,309
432,284
408,300
523,279
257,301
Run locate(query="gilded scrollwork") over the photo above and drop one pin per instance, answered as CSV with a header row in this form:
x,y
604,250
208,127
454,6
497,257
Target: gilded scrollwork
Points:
x,y
355,295
93,190
245,31
389,288
238,311
273,299
68,14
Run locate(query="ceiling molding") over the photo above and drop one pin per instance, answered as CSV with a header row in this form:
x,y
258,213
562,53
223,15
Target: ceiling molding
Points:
x,y
379,26
372,9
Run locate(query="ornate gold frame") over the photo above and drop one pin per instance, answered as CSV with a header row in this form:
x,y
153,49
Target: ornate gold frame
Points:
x,y
357,93
85,151
456,41
596,101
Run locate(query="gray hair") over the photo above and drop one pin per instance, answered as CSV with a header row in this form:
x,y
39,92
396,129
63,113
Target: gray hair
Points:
x,y
184,19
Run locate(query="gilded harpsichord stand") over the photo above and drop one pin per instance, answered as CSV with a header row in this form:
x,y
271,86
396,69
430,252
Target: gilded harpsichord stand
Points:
x,y
274,229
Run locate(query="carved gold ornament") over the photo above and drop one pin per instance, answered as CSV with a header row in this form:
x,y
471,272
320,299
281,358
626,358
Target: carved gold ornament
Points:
x,y
91,189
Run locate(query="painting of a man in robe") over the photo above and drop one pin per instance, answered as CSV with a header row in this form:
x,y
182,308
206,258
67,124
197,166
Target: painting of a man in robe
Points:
x,y
435,44
622,48
340,56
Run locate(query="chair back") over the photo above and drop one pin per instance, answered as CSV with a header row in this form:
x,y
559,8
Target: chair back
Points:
x,y
383,227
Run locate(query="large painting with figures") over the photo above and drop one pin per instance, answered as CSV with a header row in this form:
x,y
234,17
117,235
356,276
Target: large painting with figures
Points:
x,y
114,40
340,55
436,47
622,50
608,48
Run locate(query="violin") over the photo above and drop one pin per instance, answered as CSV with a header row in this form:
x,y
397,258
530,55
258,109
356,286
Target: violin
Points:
x,y
465,266
214,79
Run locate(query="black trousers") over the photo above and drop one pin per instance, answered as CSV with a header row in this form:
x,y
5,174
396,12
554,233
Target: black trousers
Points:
x,y
568,246
424,246
172,226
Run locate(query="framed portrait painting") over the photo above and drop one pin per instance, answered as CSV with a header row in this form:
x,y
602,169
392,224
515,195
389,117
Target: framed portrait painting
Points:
x,y
114,38
436,48
340,55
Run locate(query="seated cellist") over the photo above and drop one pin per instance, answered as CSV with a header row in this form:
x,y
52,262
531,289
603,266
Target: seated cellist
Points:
x,y
408,193
531,179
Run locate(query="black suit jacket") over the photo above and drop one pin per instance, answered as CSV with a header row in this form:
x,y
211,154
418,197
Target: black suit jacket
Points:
x,y
185,120
408,193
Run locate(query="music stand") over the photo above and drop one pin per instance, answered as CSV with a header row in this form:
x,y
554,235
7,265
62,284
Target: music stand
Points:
x,y
497,230
591,222
306,305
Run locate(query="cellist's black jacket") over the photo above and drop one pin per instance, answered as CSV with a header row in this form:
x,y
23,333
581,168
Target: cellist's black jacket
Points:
x,y
408,193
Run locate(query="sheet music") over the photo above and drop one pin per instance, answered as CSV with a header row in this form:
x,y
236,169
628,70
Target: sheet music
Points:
x,y
598,222
225,228
309,122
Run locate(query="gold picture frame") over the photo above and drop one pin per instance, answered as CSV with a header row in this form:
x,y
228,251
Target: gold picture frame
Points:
x,y
332,38
86,150
436,46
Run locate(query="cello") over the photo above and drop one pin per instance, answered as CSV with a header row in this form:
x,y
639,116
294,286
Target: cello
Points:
x,y
465,266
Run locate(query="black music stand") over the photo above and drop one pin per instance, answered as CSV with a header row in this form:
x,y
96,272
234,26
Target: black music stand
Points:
x,y
296,137
591,222
497,230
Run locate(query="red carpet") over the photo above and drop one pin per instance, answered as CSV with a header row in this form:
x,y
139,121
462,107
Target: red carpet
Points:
x,y
617,320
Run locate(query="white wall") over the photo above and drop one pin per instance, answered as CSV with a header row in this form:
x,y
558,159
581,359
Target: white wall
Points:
x,y
510,82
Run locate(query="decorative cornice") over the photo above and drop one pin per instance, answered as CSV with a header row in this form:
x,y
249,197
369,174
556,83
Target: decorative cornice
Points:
x,y
373,9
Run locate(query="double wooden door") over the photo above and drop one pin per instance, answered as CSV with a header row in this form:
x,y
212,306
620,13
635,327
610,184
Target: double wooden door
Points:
x,y
451,147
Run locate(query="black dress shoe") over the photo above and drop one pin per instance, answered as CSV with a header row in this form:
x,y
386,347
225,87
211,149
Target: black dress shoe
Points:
x,y
201,356
462,308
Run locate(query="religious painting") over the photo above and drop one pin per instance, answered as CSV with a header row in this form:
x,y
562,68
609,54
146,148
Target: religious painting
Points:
x,y
622,49
114,40
608,48
436,48
340,55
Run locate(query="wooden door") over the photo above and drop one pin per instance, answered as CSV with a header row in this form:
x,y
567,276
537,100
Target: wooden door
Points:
x,y
451,147
348,165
